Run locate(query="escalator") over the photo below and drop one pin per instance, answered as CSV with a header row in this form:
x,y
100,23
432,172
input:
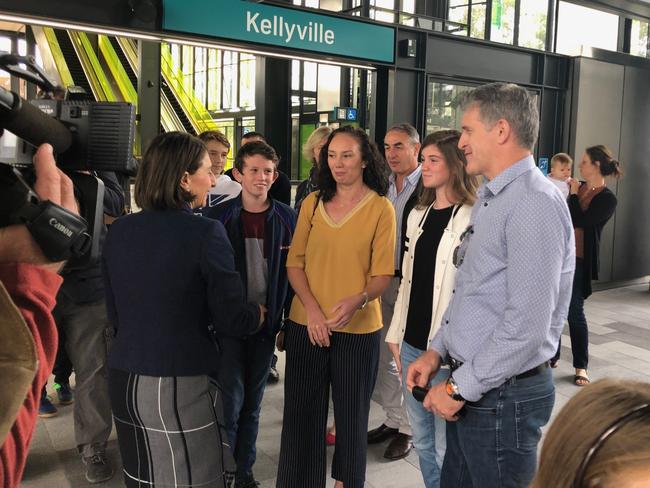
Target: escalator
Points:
x,y
107,70
124,61
172,115
72,60
176,107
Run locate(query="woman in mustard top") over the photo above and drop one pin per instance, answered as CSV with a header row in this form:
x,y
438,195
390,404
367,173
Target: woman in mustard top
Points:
x,y
339,263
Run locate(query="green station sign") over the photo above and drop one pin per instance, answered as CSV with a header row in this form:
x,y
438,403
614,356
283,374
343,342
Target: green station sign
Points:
x,y
279,26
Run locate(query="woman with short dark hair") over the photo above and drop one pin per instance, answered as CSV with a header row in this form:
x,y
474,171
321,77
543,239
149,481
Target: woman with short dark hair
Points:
x,y
339,264
170,277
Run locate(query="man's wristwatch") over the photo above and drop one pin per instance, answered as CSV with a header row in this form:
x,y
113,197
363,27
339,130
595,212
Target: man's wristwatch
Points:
x,y
453,391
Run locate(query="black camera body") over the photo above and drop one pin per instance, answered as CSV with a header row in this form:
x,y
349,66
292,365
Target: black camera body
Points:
x,y
87,136
102,135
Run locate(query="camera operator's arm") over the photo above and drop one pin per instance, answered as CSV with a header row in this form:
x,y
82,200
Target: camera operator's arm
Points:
x,y
113,194
29,279
16,243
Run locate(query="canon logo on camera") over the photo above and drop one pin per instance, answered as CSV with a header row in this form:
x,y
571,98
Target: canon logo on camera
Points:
x,y
60,227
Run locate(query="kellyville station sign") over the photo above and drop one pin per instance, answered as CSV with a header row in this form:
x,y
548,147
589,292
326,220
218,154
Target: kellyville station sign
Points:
x,y
279,26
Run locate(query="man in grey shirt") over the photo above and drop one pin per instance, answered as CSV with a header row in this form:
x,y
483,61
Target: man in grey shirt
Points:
x,y
515,269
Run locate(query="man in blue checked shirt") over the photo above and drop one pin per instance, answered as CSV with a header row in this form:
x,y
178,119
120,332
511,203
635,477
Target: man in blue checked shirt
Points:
x,y
515,269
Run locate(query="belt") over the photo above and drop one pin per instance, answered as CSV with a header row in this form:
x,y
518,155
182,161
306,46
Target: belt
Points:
x,y
454,364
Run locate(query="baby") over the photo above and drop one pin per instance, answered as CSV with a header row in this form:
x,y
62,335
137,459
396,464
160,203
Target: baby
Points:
x,y
561,165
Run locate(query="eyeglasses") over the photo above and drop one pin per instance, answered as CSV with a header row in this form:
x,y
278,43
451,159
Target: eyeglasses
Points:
x,y
459,252
637,412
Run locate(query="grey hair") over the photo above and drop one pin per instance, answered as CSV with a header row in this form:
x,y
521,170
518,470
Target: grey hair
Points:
x,y
407,129
506,101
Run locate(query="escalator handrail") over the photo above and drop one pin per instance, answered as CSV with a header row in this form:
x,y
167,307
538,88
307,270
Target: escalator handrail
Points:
x,y
122,80
58,57
168,118
92,68
195,110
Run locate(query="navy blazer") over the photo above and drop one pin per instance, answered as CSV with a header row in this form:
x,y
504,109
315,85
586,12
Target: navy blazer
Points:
x,y
168,276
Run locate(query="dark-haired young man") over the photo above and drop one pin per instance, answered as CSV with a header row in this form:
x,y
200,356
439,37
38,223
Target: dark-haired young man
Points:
x,y
260,230
281,187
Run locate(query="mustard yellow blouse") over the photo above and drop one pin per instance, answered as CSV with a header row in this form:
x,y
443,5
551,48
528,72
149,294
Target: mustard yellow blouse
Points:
x,y
339,258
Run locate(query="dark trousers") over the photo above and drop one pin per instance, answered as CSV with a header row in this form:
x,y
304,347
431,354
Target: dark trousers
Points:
x,y
349,365
577,321
62,365
494,443
243,371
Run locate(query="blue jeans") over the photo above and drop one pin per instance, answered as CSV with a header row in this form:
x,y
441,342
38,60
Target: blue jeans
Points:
x,y
494,443
243,370
428,430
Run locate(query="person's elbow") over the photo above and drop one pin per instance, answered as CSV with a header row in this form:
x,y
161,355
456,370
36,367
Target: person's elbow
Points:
x,y
382,282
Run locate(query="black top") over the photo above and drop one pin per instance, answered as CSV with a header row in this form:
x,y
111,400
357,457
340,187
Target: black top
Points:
x,y
418,322
168,275
306,187
592,221
86,285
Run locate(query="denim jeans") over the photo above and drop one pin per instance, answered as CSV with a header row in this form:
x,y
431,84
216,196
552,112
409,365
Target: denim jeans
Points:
x,y
243,370
577,321
494,443
428,430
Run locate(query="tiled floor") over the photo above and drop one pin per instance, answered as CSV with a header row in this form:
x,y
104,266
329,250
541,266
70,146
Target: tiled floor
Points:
x,y
619,321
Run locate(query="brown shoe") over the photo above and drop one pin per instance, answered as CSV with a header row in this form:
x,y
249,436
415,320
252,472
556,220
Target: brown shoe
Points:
x,y
381,433
399,447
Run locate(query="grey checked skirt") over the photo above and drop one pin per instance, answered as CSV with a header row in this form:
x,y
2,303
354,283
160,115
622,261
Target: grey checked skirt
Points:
x,y
170,431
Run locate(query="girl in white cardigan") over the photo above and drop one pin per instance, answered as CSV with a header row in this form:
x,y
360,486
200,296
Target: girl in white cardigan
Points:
x,y
434,229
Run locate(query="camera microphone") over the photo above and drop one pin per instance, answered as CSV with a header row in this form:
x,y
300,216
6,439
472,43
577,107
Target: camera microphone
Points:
x,y
31,124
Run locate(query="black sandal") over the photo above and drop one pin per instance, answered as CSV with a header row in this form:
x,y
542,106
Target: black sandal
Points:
x,y
580,377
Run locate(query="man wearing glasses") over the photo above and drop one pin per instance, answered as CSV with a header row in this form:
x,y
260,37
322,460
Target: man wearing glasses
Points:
x,y
515,270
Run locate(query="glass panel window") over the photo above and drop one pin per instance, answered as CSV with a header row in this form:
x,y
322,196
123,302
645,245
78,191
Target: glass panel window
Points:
x,y
502,28
477,25
459,13
200,74
310,76
442,100
230,79
295,75
579,26
214,79
188,67
408,6
639,40
176,55
385,12
247,81
532,24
